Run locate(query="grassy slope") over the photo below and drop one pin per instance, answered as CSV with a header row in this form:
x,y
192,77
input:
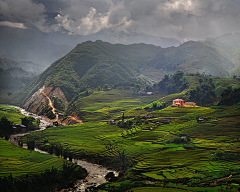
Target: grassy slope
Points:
x,y
13,115
102,105
156,160
19,161
93,64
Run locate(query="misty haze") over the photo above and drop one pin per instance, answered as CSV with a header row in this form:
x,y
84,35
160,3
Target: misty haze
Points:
x,y
119,95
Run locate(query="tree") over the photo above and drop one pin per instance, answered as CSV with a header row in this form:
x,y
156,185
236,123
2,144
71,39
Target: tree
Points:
x,y
105,87
204,93
230,96
5,127
31,144
27,121
123,117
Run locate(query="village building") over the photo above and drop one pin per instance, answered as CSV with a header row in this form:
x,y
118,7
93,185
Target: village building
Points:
x,y
113,122
149,116
19,128
178,102
190,103
181,102
165,121
149,93
60,116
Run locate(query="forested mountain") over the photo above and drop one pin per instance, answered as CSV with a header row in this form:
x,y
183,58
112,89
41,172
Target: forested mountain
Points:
x,y
93,65
228,45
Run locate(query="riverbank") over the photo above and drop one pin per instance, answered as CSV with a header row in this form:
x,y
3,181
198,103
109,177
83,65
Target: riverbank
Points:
x,y
96,173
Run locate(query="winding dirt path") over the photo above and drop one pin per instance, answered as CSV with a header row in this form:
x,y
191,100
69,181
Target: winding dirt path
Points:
x,y
51,105
215,182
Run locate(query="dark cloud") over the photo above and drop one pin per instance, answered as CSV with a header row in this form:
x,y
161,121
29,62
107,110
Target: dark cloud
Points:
x,y
191,19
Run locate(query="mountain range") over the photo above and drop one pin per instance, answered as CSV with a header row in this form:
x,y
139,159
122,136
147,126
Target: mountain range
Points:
x,y
95,65
29,44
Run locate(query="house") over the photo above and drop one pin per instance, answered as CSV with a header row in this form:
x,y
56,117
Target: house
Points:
x,y
180,103
190,103
142,93
165,121
112,122
149,116
184,138
149,93
19,128
201,120
60,115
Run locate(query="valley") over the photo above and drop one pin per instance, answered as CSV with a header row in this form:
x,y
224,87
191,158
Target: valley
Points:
x,y
111,105
183,154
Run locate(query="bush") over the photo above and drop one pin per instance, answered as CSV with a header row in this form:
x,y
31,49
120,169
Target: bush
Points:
x,y
156,105
51,115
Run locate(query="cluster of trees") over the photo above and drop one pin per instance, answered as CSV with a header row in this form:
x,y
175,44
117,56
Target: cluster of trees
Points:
x,y
156,105
121,161
220,155
58,104
28,122
230,96
5,128
30,144
204,93
44,109
128,85
58,150
49,179
181,138
125,124
172,83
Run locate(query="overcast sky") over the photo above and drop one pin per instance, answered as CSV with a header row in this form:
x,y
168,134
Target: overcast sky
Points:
x,y
180,19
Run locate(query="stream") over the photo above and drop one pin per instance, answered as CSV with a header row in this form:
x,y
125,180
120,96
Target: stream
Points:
x,y
96,173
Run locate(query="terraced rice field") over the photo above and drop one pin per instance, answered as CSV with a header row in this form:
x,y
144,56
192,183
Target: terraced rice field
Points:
x,y
18,161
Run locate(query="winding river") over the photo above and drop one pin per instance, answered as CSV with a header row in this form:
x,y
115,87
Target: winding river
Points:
x,y
96,173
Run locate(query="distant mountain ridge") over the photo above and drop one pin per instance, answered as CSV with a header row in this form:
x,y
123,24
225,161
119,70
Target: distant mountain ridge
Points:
x,y
91,65
31,44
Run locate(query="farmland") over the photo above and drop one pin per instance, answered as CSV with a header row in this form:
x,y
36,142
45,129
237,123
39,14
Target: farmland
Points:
x,y
195,148
11,114
18,161
155,157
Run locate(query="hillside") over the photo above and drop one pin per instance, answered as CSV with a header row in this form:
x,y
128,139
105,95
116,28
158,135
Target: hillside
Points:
x,y
95,65
184,153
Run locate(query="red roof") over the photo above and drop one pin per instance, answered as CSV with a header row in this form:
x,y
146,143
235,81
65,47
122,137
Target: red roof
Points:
x,y
178,100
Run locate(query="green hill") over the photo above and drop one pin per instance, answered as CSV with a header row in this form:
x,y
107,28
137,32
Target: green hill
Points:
x,y
94,65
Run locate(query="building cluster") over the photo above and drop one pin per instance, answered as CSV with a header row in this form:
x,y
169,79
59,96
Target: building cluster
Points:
x,y
180,103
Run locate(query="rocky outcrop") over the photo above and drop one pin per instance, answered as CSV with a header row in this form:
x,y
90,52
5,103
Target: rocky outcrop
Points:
x,y
39,99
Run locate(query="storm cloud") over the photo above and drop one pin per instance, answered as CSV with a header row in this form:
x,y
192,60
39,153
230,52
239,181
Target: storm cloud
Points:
x,y
181,19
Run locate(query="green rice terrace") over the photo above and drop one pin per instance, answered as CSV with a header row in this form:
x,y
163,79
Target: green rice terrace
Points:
x,y
193,149
21,168
155,146
18,161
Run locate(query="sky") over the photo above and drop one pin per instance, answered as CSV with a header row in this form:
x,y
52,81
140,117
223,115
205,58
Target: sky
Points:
x,y
180,19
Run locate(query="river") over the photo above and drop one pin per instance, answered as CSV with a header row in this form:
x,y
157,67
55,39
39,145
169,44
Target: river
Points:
x,y
96,173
